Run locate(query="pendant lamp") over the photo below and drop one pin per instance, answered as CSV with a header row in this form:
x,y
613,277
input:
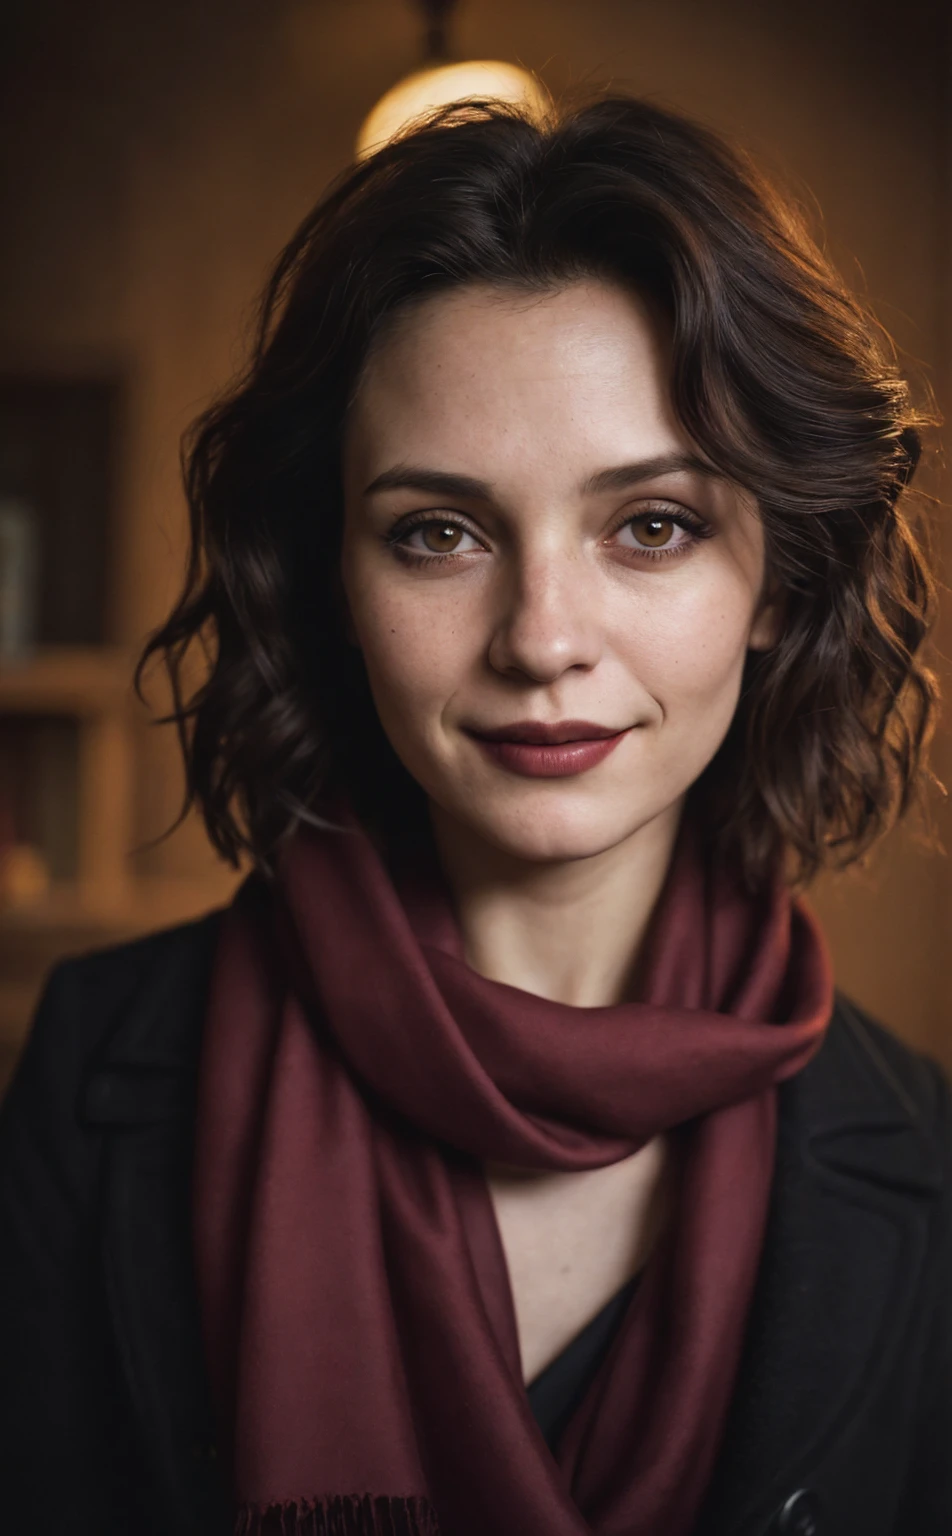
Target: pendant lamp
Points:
x,y
439,83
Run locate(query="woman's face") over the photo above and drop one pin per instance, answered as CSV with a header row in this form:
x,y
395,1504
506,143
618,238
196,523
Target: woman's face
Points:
x,y
553,595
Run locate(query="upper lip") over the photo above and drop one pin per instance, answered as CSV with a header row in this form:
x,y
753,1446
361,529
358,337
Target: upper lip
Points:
x,y
535,733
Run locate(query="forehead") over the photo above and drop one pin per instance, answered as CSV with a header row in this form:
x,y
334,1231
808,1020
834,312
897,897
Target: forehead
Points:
x,y
580,371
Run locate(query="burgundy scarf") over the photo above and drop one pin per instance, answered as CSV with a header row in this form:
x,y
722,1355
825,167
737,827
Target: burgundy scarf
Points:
x,y
358,1320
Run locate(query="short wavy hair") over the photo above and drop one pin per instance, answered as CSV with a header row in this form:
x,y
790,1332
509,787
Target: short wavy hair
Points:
x,y
778,374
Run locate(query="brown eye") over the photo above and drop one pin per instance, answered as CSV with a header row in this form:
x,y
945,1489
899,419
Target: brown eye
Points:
x,y
660,535
654,532
441,538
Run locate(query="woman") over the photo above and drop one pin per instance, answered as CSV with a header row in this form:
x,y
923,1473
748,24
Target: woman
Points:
x,y
503,1160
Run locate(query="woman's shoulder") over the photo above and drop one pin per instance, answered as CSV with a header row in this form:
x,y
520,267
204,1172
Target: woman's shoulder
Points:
x,y
870,1104
168,968
140,1001
860,1053
112,970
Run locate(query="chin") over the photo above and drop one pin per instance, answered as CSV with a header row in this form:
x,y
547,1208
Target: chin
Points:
x,y
554,827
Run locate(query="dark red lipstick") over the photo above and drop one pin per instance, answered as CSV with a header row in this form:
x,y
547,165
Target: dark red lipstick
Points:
x,y
549,751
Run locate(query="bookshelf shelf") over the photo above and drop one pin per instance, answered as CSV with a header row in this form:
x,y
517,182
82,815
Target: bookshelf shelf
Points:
x,y
81,681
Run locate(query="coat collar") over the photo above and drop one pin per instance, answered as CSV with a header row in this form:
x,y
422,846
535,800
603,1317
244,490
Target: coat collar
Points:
x,y
846,1241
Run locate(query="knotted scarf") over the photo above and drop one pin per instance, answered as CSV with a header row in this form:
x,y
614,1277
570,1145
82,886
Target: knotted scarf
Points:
x,y
356,1076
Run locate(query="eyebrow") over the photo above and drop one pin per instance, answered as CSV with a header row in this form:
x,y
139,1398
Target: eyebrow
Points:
x,y
623,476
440,482
619,478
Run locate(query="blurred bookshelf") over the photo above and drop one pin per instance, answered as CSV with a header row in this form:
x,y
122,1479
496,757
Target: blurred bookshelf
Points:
x,y
70,724
67,766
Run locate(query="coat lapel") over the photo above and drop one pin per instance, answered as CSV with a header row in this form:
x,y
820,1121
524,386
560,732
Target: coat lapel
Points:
x,y
143,1094
847,1237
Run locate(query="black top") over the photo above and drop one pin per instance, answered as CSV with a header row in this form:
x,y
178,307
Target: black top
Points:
x,y
556,1392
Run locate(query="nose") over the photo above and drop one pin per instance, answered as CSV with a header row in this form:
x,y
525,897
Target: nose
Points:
x,y
549,621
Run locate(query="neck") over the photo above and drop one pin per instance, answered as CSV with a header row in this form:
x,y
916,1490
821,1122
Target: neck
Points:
x,y
570,931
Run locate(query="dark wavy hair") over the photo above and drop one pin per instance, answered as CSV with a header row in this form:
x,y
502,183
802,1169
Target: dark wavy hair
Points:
x,y
777,373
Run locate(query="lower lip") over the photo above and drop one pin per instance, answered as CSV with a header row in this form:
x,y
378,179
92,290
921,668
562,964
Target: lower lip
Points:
x,y
554,760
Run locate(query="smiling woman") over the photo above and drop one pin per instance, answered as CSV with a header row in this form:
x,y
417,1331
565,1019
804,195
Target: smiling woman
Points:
x,y
504,1158
760,366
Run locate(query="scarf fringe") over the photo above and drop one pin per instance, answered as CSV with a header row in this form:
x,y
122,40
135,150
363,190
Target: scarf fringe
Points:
x,y
342,1515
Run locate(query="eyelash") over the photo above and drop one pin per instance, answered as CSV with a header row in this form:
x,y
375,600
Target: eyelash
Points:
x,y
678,515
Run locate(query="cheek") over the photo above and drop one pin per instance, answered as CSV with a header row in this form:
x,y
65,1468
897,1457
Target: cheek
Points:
x,y
691,650
416,653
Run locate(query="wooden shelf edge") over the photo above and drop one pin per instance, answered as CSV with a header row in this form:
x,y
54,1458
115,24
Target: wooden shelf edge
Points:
x,y
76,680
142,905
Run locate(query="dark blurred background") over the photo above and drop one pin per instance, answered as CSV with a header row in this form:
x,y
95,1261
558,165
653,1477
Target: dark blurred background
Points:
x,y
153,159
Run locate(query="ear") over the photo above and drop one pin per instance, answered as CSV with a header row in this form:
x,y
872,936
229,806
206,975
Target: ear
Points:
x,y
769,621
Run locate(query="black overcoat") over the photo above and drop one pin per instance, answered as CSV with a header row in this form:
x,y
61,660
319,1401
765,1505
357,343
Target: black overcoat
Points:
x,y
841,1422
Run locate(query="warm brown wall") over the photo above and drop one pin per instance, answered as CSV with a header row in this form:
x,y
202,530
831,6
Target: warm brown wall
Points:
x,y
155,157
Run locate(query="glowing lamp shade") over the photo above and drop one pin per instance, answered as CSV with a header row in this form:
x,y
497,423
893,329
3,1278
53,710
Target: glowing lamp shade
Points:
x,y
419,93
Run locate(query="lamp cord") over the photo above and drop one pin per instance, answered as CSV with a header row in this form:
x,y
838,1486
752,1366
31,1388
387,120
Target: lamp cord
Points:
x,y
436,14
